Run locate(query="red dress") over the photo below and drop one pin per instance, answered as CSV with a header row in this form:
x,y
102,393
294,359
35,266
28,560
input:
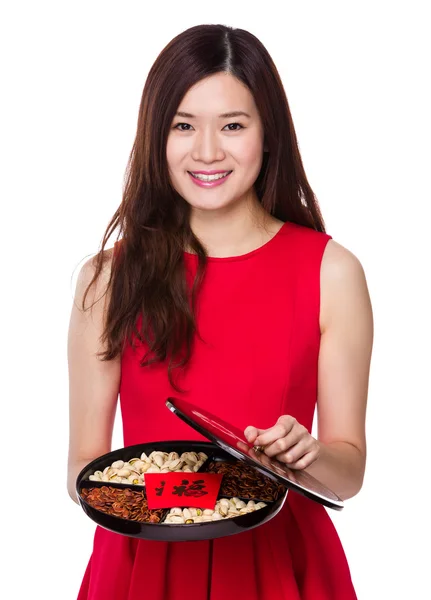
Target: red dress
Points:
x,y
259,319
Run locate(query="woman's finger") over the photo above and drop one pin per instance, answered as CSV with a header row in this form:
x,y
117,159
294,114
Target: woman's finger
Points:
x,y
283,444
251,433
305,461
280,430
293,452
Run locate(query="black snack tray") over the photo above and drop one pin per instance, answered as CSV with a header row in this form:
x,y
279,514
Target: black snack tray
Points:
x,y
172,531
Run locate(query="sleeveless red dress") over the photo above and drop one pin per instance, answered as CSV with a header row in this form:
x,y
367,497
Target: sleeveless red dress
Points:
x,y
258,316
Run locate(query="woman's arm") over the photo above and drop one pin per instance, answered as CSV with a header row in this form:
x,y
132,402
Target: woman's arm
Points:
x,y
337,457
346,324
93,384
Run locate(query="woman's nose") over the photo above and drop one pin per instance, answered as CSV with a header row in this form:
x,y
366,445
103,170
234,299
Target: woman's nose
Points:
x,y
207,148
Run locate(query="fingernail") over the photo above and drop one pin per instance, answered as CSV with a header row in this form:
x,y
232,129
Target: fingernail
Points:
x,y
248,433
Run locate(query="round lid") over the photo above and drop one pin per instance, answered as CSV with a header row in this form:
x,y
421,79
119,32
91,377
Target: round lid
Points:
x,y
232,440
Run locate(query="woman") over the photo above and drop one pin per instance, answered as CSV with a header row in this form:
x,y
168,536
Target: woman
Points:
x,y
232,296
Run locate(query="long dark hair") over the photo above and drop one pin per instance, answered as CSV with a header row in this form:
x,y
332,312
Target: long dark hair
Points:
x,y
147,282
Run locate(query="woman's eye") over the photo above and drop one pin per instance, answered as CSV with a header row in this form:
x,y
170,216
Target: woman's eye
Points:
x,y
180,128
177,126
239,125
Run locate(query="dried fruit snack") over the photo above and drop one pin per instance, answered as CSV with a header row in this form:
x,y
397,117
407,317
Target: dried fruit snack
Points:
x,y
242,480
124,503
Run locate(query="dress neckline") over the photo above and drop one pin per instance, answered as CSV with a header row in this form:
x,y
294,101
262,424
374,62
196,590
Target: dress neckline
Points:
x,y
245,256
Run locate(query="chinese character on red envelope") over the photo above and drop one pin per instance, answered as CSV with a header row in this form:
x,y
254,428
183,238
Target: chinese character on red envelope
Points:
x,y
198,490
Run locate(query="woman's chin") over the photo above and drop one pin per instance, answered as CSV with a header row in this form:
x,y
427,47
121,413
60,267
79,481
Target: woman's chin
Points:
x,y
213,206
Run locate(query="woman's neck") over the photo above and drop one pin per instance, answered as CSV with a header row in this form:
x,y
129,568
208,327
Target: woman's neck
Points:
x,y
234,231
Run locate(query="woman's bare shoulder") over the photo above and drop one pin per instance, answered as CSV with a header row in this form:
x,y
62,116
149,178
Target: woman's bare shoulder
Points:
x,y
339,262
88,271
343,282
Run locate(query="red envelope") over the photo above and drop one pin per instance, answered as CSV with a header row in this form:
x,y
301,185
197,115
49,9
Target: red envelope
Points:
x,y
198,490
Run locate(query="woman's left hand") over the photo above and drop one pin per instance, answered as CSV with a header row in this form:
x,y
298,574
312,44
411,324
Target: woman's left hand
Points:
x,y
288,441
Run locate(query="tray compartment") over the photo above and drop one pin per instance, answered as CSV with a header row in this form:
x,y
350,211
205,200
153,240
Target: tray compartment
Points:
x,y
130,452
128,499
220,496
242,479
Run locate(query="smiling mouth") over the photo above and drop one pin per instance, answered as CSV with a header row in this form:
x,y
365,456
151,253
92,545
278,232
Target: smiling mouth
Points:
x,y
203,177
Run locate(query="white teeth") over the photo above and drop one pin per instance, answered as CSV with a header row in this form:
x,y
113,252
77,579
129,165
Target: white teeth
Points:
x,y
209,177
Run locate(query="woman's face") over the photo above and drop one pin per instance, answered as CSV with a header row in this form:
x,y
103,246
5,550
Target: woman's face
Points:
x,y
203,140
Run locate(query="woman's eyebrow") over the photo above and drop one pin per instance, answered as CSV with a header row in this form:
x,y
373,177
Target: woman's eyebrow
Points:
x,y
228,115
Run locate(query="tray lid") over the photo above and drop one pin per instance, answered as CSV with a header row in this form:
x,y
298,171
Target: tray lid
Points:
x,y
232,440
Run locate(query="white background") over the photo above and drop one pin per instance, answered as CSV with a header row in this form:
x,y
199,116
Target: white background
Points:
x,y
355,75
